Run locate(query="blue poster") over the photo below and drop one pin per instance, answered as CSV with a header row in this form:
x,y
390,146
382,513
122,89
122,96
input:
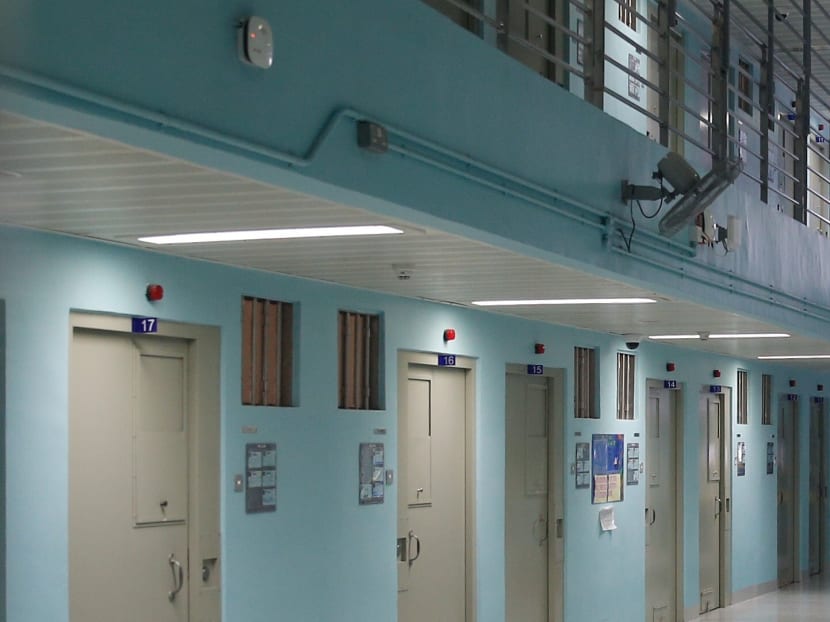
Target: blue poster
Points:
x,y
607,460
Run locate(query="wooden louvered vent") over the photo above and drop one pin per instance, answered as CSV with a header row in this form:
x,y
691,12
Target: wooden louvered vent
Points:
x,y
267,352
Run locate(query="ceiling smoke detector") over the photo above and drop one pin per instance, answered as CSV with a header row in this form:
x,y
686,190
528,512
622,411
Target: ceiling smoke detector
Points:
x,y
404,272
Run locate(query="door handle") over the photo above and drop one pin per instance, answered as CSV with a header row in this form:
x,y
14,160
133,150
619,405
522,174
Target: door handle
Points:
x,y
718,506
653,516
412,537
178,577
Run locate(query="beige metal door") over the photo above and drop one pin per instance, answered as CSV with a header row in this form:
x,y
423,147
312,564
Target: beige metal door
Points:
x,y
787,487
661,506
712,473
132,487
533,516
432,490
817,480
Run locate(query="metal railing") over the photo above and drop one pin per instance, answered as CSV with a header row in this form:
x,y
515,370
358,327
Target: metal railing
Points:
x,y
707,79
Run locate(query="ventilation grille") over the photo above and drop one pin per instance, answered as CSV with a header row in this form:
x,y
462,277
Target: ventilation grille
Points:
x,y
359,364
267,352
585,383
625,386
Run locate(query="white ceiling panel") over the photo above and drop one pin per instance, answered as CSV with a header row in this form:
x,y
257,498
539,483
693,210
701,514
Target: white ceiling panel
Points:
x,y
84,185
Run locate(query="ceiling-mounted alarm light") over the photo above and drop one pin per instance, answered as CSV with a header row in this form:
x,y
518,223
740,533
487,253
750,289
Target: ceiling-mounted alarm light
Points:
x,y
256,42
449,334
154,292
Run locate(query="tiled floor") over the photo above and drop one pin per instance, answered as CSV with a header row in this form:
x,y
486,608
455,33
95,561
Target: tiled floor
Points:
x,y
801,602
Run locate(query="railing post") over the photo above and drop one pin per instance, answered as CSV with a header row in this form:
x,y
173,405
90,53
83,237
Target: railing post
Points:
x,y
767,99
595,53
720,86
802,118
667,19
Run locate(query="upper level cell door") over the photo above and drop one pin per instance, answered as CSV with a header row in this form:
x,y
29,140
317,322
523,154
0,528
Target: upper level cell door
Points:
x,y
661,506
432,505
533,524
787,492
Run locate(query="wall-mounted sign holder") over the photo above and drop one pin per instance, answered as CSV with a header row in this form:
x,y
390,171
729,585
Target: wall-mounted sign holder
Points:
x,y
582,468
372,474
260,478
607,467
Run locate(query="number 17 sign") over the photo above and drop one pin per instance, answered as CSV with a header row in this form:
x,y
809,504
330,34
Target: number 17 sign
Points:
x,y
144,325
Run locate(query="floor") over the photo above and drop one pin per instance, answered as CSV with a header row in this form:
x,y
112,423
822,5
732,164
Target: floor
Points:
x,y
801,602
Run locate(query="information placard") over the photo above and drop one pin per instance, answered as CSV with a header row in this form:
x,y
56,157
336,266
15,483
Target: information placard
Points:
x,y
607,465
260,477
371,474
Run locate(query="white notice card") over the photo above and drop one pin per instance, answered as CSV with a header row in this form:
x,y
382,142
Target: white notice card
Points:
x,y
614,487
600,488
606,519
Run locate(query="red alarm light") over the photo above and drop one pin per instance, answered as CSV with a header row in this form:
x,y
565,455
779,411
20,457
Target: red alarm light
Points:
x,y
155,292
449,334
820,387
539,348
670,367
792,382
716,373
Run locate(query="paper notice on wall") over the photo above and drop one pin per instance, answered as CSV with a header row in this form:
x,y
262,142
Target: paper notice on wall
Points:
x,y
614,487
606,519
600,488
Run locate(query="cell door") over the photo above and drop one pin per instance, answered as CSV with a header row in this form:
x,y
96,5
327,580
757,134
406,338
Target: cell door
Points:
x,y
432,510
533,515
817,479
787,492
712,495
132,484
661,506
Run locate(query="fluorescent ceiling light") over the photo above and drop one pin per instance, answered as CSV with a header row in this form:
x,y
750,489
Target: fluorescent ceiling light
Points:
x,y
271,234
562,301
723,336
794,357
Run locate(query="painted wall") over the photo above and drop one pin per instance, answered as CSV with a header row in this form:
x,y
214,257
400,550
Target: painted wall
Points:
x,y
314,558
482,104
2,455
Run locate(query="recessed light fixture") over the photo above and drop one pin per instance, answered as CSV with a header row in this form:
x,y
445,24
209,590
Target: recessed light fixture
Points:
x,y
794,357
562,301
271,234
722,336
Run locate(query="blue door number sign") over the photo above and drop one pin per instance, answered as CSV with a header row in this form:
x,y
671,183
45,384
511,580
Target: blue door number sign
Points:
x,y
670,384
144,325
715,388
535,370
446,360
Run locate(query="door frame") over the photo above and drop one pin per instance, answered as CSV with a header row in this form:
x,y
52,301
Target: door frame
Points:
x,y
796,480
725,562
557,465
468,364
204,442
818,401
679,458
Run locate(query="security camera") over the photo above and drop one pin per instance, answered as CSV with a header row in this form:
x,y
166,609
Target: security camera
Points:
x,y
632,342
679,173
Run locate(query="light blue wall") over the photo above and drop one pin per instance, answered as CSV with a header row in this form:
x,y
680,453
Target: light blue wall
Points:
x,y
313,559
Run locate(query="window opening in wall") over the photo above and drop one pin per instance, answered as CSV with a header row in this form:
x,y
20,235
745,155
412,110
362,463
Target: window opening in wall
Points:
x,y
628,13
585,383
267,352
745,86
743,393
766,399
359,360
625,386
